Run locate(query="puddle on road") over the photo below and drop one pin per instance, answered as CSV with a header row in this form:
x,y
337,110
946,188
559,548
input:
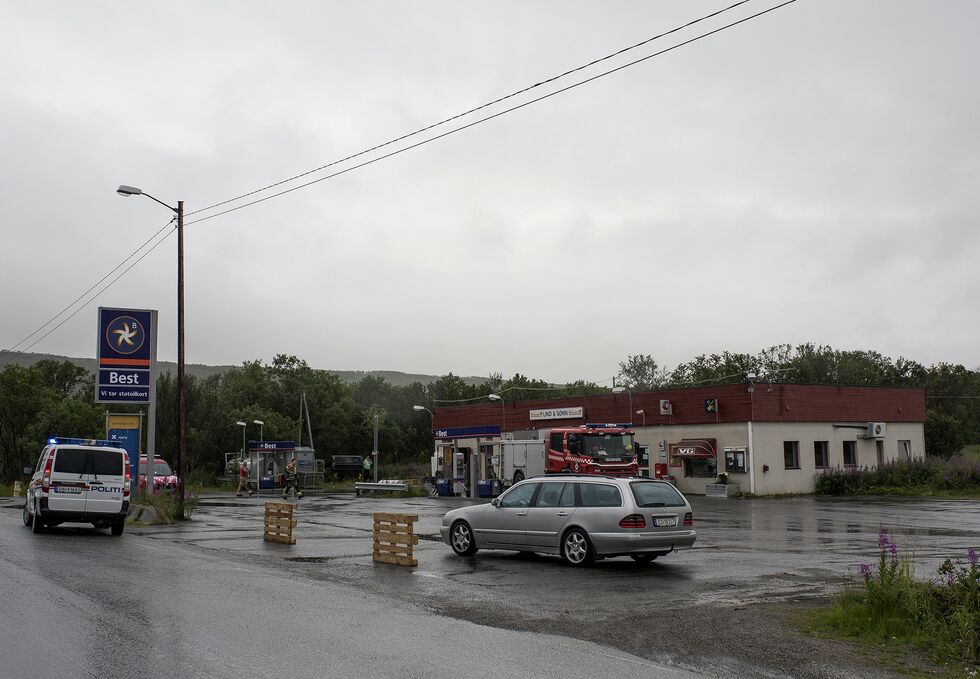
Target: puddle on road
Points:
x,y
310,559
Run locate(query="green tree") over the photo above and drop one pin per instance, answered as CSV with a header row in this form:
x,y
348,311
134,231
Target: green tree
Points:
x,y
641,372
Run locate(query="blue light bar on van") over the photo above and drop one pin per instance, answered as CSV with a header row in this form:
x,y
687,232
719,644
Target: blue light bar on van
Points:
x,y
621,425
74,441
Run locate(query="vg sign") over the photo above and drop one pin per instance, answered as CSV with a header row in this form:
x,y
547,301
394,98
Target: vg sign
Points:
x,y
127,352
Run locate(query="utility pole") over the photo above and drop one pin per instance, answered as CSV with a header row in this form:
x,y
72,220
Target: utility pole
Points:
x,y
181,383
374,453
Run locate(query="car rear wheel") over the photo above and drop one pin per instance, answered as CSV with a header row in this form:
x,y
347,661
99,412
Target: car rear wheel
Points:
x,y
117,528
37,525
461,538
576,549
644,558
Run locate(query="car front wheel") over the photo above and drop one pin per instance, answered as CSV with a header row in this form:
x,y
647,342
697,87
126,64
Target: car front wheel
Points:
x,y
27,514
576,548
461,537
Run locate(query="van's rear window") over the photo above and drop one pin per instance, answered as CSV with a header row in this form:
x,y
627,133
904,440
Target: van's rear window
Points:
x,y
70,461
106,463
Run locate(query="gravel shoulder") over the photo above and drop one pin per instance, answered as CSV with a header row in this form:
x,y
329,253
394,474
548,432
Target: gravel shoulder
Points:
x,y
755,641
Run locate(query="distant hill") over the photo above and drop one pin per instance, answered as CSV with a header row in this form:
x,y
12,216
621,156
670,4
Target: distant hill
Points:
x,y
200,371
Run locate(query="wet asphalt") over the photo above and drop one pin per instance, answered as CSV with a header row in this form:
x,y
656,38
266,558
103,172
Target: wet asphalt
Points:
x,y
209,598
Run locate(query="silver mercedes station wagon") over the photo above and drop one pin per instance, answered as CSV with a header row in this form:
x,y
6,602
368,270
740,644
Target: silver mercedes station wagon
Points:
x,y
579,517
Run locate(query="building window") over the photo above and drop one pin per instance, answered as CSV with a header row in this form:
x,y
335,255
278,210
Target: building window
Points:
x,y
905,450
791,454
850,454
821,454
880,451
703,468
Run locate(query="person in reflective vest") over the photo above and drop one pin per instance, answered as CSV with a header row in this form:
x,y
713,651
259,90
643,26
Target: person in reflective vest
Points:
x,y
367,467
292,479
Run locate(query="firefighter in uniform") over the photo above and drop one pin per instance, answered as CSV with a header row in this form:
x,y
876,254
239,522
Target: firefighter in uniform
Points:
x,y
292,479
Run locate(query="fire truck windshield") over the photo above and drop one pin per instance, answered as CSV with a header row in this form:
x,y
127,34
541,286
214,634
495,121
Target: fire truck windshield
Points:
x,y
607,446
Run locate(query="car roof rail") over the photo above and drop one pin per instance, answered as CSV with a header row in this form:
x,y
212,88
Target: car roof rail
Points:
x,y
565,475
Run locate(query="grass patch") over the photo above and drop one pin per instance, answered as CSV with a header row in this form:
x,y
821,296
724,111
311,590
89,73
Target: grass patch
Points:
x,y
897,613
165,505
958,476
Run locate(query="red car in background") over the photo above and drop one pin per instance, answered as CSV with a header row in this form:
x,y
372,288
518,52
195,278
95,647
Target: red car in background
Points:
x,y
163,476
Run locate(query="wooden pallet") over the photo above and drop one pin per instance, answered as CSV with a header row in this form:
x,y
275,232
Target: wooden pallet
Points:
x,y
279,523
394,538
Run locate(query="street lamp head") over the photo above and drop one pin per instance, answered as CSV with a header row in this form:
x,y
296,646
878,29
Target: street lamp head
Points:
x,y
495,397
124,190
640,412
418,409
258,422
241,424
618,390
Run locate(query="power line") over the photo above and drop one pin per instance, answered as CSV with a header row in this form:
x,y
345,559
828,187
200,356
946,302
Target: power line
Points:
x,y
489,117
96,295
415,145
472,110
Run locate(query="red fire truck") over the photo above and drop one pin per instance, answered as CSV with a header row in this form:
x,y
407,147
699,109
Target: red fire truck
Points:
x,y
592,449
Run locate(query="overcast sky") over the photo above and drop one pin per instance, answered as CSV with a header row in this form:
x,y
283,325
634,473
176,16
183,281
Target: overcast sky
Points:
x,y
808,176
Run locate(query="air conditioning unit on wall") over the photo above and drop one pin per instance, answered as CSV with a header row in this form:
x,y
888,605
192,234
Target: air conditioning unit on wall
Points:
x,y
876,430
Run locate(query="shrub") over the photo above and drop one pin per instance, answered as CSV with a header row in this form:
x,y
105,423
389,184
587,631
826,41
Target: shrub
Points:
x,y
957,474
166,503
892,607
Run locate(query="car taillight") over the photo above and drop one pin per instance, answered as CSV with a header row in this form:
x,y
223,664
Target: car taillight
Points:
x,y
633,521
689,519
46,477
128,480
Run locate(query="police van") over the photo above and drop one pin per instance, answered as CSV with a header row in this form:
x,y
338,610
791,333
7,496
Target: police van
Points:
x,y
79,481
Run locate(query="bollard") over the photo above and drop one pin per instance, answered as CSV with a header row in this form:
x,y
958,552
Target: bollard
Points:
x,y
279,523
394,538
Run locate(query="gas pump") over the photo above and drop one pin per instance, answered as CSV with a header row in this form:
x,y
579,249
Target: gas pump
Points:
x,y
461,470
643,458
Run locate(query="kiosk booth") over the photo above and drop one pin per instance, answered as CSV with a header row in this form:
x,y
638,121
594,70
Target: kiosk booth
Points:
x,y
267,464
463,461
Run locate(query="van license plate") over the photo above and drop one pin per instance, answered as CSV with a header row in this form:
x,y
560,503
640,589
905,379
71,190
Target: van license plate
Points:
x,y
665,521
67,489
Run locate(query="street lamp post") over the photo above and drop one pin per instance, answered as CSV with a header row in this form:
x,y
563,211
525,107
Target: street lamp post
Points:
x,y
243,425
620,390
124,190
503,426
432,424
503,412
261,425
644,415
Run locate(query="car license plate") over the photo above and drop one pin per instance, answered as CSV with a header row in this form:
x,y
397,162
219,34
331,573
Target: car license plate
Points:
x,y
67,489
662,521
